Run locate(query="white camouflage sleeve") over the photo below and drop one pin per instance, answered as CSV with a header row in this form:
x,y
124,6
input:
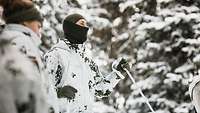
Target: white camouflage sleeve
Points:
x,y
104,84
54,66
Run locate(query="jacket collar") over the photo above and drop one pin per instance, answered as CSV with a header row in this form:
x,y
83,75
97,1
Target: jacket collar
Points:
x,y
25,30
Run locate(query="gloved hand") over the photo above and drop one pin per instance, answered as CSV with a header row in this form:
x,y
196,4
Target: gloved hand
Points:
x,y
120,64
67,92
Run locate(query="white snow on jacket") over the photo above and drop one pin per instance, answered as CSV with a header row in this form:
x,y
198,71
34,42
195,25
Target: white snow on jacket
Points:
x,y
20,89
28,43
68,66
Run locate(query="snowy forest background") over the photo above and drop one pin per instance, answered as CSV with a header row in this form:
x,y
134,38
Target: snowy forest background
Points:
x,y
160,38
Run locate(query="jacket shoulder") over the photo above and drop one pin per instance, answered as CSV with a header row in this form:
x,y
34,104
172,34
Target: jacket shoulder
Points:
x,y
59,48
54,53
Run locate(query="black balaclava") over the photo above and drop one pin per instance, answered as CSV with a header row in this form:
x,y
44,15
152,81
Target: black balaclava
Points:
x,y
74,33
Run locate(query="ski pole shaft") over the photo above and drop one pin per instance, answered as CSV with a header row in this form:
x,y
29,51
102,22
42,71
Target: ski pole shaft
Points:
x,y
140,91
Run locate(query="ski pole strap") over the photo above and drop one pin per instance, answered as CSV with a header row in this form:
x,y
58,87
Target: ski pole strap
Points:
x,y
140,91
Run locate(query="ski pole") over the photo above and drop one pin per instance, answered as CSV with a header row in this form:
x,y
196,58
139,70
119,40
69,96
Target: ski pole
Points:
x,y
140,91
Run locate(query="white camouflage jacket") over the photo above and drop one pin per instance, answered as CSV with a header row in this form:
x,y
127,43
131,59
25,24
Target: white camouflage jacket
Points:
x,y
28,43
20,88
68,66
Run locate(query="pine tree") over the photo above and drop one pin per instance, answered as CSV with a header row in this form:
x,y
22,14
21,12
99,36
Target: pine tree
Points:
x,y
159,37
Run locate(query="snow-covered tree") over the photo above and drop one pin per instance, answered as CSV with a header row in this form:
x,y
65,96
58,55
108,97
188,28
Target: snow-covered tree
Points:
x,y
159,37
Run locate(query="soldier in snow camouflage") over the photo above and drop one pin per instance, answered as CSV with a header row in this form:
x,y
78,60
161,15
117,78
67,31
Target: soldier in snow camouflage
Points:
x,y
23,24
76,77
21,90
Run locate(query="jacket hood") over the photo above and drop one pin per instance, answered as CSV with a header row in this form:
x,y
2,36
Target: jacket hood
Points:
x,y
64,44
